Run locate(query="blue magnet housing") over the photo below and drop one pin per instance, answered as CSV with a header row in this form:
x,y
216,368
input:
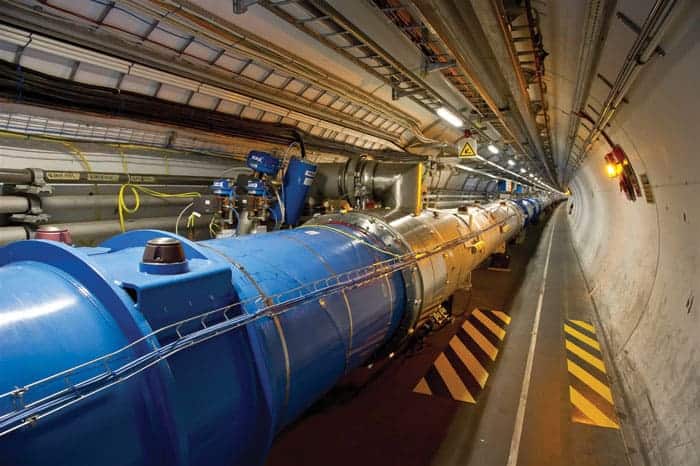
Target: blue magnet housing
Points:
x,y
297,181
219,402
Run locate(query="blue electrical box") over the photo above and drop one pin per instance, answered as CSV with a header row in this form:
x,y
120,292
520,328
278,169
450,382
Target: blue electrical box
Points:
x,y
222,187
256,187
262,162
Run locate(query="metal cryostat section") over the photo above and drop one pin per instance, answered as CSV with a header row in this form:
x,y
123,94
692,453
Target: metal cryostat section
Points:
x,y
151,349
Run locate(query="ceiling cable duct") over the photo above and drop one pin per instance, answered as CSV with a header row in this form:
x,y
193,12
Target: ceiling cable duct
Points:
x,y
200,79
596,26
449,34
257,46
392,72
46,90
640,53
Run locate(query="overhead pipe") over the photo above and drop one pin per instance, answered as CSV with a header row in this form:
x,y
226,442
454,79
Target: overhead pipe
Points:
x,y
596,26
646,44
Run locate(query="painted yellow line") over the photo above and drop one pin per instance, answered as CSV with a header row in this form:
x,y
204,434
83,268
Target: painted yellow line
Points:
x,y
480,340
473,364
590,410
423,387
595,384
580,336
583,324
586,356
505,318
454,384
489,324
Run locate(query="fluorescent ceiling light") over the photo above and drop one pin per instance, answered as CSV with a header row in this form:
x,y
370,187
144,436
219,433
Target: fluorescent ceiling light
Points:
x,y
532,175
450,117
522,170
493,149
511,162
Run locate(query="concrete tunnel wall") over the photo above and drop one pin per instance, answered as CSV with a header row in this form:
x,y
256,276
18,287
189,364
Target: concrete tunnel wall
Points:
x,y
641,260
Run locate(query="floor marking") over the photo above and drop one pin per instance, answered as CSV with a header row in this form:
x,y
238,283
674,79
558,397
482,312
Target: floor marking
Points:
x,y
592,413
505,318
520,415
584,325
490,324
590,380
454,384
481,340
589,390
586,356
470,361
581,337
423,387
460,372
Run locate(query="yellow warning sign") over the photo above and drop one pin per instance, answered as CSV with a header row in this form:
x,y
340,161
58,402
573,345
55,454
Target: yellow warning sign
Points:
x,y
467,150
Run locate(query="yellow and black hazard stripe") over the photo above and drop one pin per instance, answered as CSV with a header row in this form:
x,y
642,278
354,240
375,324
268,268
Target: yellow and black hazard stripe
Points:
x,y
460,372
589,388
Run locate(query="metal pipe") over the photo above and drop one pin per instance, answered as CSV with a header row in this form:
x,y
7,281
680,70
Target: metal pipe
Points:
x,y
656,23
15,176
12,234
13,204
395,185
57,203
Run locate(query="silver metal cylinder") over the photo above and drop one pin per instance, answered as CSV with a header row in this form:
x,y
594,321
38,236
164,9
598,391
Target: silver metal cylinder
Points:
x,y
464,239
13,204
11,234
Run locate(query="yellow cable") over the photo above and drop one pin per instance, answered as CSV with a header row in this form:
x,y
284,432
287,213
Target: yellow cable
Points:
x,y
135,189
79,155
125,163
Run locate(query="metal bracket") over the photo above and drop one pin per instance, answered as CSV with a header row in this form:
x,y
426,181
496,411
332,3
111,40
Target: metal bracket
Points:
x,y
241,6
430,66
32,219
627,21
39,185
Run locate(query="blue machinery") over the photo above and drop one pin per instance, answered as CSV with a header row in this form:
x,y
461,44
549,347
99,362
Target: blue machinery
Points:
x,y
153,350
249,204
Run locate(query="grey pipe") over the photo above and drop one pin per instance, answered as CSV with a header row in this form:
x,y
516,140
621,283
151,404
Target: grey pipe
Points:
x,y
85,231
11,234
396,185
13,204
14,176
56,203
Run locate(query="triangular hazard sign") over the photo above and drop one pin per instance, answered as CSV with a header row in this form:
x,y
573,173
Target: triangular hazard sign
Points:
x,y
467,150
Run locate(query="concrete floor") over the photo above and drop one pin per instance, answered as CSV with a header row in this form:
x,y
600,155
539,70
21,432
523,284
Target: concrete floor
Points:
x,y
374,417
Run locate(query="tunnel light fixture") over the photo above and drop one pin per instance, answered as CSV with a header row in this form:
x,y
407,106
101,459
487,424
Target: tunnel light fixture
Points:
x,y
450,117
511,162
493,149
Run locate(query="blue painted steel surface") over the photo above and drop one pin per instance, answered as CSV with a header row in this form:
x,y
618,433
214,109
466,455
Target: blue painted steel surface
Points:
x,y
297,180
217,403
262,162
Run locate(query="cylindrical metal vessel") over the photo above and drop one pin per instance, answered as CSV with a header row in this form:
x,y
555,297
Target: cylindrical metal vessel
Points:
x,y
249,332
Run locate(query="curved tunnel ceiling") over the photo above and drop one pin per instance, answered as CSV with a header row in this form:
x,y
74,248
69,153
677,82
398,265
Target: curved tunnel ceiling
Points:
x,y
368,74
